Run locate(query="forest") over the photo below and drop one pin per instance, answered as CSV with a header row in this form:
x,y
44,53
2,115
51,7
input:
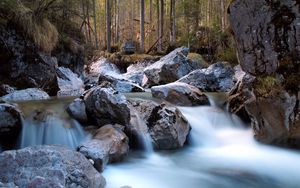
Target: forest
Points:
x,y
149,93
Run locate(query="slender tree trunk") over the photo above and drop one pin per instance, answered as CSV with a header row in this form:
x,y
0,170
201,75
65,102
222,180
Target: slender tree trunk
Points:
x,y
88,20
172,23
161,26
223,15
158,18
108,26
117,20
95,25
142,26
132,19
151,12
84,20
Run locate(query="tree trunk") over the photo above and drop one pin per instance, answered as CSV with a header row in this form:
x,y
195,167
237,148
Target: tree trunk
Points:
x,y
151,12
117,20
108,26
172,23
95,24
142,26
88,20
161,26
223,15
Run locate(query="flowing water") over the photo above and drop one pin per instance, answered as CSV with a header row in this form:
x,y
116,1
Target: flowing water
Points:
x,y
221,154
47,122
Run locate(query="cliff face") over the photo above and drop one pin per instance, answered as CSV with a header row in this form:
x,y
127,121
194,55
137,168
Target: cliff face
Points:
x,y
267,34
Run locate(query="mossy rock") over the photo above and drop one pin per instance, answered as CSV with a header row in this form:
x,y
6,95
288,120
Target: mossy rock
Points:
x,y
264,86
198,58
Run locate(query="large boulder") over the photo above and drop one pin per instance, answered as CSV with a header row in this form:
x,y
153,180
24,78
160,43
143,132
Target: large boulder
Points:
x,y
10,125
105,106
268,48
170,67
26,94
68,82
166,125
218,77
135,72
101,66
119,82
181,94
109,144
48,166
22,65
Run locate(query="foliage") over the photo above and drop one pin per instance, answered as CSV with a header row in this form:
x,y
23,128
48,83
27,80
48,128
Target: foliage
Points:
x,y
266,85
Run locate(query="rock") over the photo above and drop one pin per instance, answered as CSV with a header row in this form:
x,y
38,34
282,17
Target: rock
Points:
x,y
26,94
271,119
269,50
70,56
101,66
109,144
216,78
181,94
5,89
166,125
265,36
22,65
105,106
68,82
135,72
10,125
47,166
119,82
77,110
170,67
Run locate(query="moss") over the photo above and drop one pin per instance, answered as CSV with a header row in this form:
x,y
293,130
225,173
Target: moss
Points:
x,y
228,54
198,58
32,25
266,85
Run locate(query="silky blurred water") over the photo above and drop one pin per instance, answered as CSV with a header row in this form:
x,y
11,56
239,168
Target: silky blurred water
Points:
x,y
221,153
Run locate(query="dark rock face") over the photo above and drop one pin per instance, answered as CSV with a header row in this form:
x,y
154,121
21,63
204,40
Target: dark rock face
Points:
x,y
166,125
10,125
26,94
77,110
170,67
68,82
267,35
109,144
5,89
181,94
216,78
44,166
105,106
23,66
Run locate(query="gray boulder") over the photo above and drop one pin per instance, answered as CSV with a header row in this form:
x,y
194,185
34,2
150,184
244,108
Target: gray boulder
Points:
x,y
106,105
181,94
26,94
68,82
135,72
5,89
109,144
170,67
48,166
10,125
166,125
77,110
101,66
218,77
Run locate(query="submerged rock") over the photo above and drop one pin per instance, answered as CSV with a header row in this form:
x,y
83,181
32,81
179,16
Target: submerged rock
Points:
x,y
216,78
10,125
166,125
105,106
43,166
68,82
26,94
181,94
170,67
109,144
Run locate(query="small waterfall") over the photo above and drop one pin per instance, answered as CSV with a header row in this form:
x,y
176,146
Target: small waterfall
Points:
x,y
47,122
141,130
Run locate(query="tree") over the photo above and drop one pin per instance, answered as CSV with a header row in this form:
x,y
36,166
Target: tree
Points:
x,y
108,26
172,23
142,26
95,24
161,25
